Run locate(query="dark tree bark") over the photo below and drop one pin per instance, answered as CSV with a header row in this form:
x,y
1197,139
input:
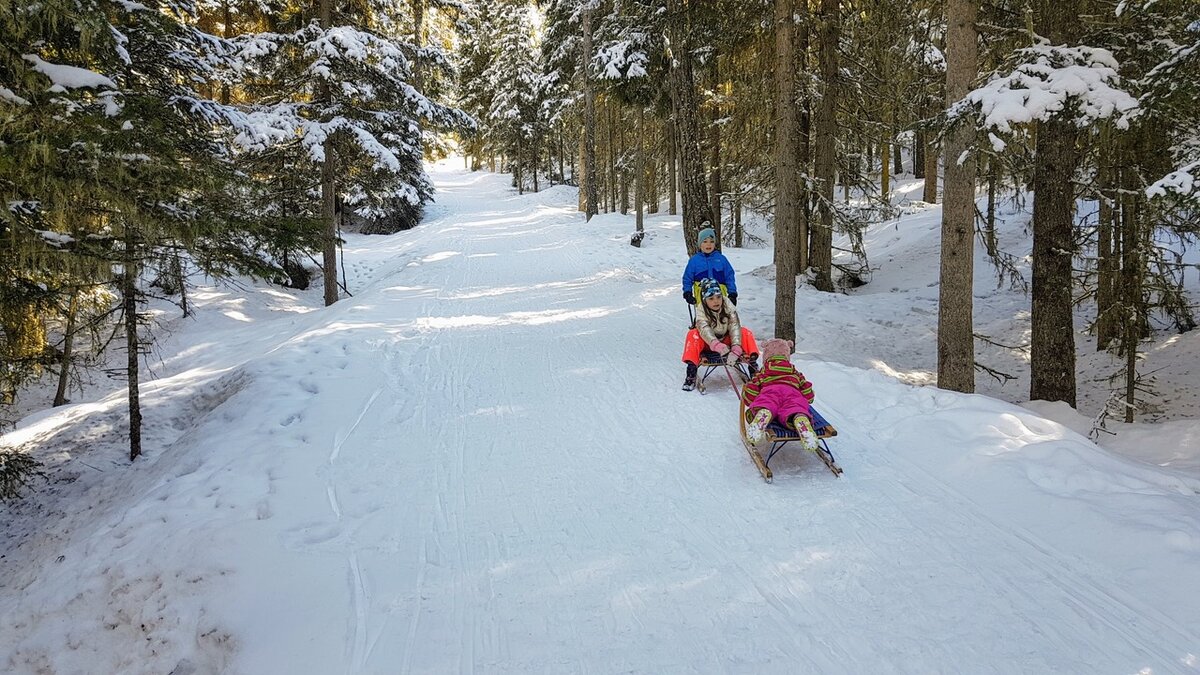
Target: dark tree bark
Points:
x,y
64,375
919,155
930,153
132,343
804,213
328,194
1108,263
672,170
714,175
1132,279
639,186
611,182
623,173
418,10
897,157
825,160
685,100
1052,350
588,189
651,183
787,174
989,231
885,169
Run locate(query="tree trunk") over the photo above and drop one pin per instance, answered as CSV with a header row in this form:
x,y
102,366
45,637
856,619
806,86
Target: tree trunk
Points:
x,y
418,9
804,196
518,174
583,179
329,218
956,342
227,33
611,187
1133,267
885,167
132,344
990,226
672,171
931,171
738,232
714,175
696,207
623,172
1052,353
64,375
639,187
328,178
918,154
897,158
787,175
1108,265
825,160
651,185
1052,350
591,197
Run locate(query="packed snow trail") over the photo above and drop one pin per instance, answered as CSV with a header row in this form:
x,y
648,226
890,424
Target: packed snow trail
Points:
x,y
482,462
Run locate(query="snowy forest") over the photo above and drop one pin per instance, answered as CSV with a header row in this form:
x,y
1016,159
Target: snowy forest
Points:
x,y
222,214
152,142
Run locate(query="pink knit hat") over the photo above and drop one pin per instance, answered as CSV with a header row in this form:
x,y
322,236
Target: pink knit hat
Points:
x,y
776,347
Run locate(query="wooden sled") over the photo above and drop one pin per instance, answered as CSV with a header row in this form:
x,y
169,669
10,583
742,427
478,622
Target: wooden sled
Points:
x,y
777,435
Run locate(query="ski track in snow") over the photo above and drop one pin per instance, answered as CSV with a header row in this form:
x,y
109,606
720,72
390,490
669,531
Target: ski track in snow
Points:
x,y
487,467
492,455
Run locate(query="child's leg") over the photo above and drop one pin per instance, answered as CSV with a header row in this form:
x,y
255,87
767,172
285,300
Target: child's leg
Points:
x,y
801,423
756,427
692,346
749,345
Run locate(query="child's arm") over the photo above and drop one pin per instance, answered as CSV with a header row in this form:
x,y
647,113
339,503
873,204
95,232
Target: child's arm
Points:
x,y
806,389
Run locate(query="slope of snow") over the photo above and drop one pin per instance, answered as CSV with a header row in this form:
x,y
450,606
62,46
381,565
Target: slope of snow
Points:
x,y
482,462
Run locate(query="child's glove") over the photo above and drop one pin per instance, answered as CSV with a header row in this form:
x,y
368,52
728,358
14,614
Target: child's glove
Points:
x,y
732,357
687,296
733,298
737,351
719,347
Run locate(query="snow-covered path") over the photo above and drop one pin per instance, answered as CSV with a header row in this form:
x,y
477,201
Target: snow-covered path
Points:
x,y
482,463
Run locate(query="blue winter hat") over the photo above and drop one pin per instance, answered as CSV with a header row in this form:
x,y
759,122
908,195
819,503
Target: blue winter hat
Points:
x,y
706,233
709,288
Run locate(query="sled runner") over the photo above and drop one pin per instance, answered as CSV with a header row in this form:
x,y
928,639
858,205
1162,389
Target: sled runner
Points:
x,y
710,361
777,435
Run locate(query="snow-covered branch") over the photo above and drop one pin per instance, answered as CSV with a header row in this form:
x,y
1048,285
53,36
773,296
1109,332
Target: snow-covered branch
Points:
x,y
1077,84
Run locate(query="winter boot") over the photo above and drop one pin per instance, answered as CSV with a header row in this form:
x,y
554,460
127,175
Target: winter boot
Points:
x,y
757,428
752,364
804,427
689,381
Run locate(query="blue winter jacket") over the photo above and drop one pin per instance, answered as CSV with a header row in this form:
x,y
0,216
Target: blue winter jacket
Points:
x,y
711,266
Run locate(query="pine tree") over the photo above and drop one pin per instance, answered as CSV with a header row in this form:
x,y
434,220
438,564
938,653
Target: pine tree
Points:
x,y
117,151
338,91
514,125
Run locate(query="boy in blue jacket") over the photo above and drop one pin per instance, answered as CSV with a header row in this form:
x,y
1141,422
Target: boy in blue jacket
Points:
x,y
708,263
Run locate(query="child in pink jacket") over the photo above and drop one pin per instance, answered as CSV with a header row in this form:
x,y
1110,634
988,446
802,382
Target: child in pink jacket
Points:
x,y
779,392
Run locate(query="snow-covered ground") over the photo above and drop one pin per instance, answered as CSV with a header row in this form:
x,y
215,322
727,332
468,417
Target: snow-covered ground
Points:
x,y
482,462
